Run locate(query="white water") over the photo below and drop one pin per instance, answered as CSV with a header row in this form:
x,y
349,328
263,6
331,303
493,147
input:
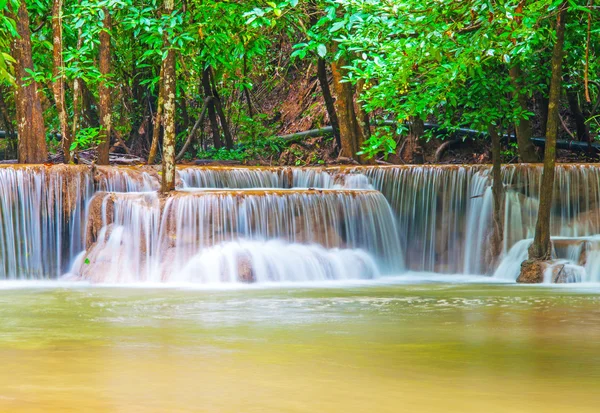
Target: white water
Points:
x,y
279,235
435,218
41,220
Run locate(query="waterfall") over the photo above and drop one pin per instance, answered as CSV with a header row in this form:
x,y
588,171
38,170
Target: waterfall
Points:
x,y
422,218
277,235
127,179
42,213
233,177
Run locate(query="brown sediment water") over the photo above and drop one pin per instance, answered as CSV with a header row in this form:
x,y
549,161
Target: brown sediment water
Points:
x,y
385,348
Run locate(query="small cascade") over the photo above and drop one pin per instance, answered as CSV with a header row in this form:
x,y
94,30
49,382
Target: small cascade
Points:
x,y
510,266
444,211
329,229
42,213
127,179
440,213
312,178
573,260
122,237
234,177
275,261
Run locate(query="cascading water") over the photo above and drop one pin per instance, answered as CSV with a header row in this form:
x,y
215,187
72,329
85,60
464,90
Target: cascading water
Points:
x,y
125,179
41,219
444,212
442,217
243,235
232,177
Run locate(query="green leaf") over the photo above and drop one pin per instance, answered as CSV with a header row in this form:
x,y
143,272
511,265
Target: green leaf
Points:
x,y
337,26
322,50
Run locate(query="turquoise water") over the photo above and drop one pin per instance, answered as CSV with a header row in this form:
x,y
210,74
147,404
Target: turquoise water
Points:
x,y
417,346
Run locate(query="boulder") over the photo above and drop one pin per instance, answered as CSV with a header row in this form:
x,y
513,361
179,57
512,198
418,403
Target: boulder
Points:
x,y
245,269
557,271
532,272
567,273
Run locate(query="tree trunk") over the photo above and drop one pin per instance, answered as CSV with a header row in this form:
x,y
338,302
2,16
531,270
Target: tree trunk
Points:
x,y
168,158
11,137
104,91
219,108
30,121
541,247
195,129
350,132
76,107
329,103
497,235
363,116
247,89
88,103
524,130
58,84
157,118
212,115
412,152
77,93
583,132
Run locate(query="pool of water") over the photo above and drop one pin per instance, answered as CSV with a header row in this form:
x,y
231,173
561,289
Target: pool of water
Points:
x,y
411,347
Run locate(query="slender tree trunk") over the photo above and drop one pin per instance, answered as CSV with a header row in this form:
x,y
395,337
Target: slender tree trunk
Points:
x,y
212,114
11,137
104,92
221,112
58,84
541,247
350,132
497,235
30,121
168,163
247,89
363,116
88,102
76,107
77,93
157,118
185,116
329,103
583,132
412,152
524,130
194,130
544,103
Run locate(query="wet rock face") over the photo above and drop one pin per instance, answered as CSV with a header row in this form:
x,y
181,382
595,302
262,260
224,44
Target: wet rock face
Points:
x,y
100,207
565,274
557,272
532,272
245,271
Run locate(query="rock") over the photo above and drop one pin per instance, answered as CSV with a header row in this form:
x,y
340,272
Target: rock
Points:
x,y
559,272
532,272
101,202
564,273
245,270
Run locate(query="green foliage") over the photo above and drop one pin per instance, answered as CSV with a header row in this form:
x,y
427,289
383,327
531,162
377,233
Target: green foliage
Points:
x,y
223,154
7,30
381,141
442,61
85,139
